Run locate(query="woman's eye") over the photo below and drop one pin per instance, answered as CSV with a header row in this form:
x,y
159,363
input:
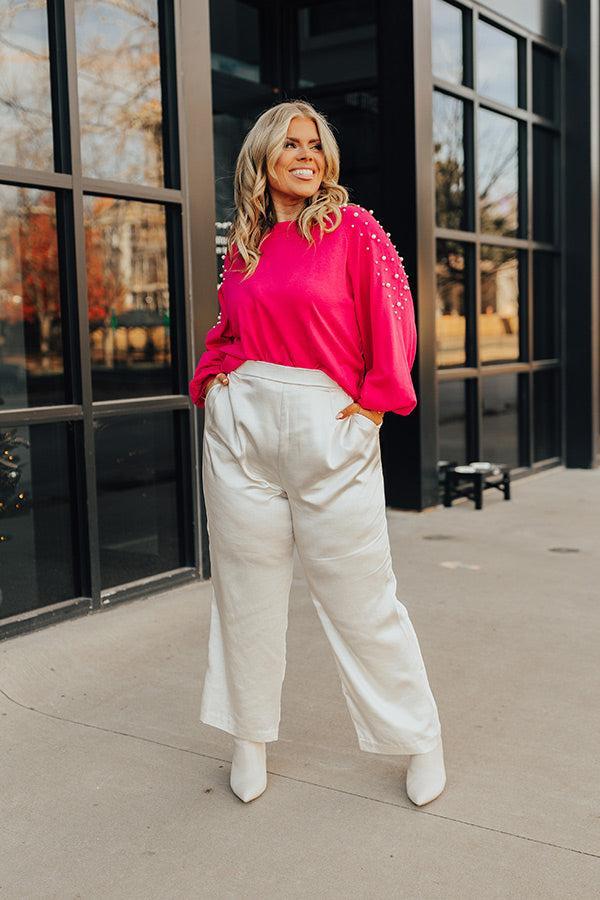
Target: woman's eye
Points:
x,y
291,144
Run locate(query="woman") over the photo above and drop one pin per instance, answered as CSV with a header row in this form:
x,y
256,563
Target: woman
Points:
x,y
313,344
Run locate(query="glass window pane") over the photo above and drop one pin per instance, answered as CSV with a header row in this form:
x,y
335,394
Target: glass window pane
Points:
x,y
139,482
545,182
243,65
450,304
499,319
497,64
31,360
128,298
546,289
235,39
337,41
498,172
364,188
447,41
354,117
25,99
38,550
500,435
453,421
546,406
545,83
120,105
449,160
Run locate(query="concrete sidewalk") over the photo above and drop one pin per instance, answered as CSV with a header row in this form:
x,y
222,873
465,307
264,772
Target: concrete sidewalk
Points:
x,y
113,789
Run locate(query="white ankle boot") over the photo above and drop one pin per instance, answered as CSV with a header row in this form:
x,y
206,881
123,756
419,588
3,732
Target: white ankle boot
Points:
x,y
248,777
426,775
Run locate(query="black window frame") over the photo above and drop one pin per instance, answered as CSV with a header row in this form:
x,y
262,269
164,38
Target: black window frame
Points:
x,y
66,180
476,372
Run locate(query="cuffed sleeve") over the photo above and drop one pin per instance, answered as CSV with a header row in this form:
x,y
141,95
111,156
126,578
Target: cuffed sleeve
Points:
x,y
385,315
218,338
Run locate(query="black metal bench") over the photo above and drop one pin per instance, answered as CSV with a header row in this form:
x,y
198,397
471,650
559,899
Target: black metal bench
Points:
x,y
472,480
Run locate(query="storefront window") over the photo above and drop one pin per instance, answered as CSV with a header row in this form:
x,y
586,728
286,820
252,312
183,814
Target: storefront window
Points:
x,y
39,559
453,422
500,437
128,298
235,39
450,304
25,98
243,61
546,414
497,64
546,92
120,105
546,290
449,160
139,496
31,358
498,173
545,181
337,41
499,319
447,41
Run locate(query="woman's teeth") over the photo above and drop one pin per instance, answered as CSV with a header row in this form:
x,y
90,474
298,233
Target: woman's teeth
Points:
x,y
305,174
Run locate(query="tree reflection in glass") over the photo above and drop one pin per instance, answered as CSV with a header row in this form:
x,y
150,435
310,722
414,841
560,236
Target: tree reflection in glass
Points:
x,y
31,361
25,102
499,318
128,298
120,104
498,171
450,304
449,160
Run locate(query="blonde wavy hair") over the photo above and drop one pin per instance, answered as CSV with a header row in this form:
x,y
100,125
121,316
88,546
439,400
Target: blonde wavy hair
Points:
x,y
254,212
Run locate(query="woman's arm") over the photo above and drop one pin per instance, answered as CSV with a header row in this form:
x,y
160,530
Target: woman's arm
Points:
x,y
217,340
385,315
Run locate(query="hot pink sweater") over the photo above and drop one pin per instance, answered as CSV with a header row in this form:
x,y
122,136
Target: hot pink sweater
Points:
x,y
343,306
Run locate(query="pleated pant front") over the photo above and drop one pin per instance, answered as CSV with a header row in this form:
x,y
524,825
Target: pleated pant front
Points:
x,y
280,470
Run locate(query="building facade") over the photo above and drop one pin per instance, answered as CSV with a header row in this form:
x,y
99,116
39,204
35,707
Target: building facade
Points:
x,y
472,131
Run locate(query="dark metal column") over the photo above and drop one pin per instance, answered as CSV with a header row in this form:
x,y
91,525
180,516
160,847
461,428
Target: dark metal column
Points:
x,y
198,172
582,290
409,443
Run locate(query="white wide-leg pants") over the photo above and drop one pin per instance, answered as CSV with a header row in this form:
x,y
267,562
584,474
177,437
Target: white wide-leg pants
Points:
x,y
279,469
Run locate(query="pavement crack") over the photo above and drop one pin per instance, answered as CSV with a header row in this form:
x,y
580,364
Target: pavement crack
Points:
x,y
426,812
107,730
325,787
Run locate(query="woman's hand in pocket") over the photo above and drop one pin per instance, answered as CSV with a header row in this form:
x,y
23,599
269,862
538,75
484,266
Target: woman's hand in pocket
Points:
x,y
222,377
356,408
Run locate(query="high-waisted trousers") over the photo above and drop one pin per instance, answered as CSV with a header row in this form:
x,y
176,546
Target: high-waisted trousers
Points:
x,y
279,470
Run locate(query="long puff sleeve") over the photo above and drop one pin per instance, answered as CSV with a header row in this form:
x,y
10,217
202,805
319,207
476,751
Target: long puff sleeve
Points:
x,y
217,340
385,315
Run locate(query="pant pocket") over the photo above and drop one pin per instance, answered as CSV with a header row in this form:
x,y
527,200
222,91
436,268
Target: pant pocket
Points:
x,y
370,424
212,389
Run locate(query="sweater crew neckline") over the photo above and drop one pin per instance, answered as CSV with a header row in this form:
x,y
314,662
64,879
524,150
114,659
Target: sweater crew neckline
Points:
x,y
278,225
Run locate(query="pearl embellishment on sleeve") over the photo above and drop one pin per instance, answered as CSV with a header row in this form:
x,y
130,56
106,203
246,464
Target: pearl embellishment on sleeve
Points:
x,y
401,290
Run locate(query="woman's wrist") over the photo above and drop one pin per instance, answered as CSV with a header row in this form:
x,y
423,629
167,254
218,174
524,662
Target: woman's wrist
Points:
x,y
379,412
371,413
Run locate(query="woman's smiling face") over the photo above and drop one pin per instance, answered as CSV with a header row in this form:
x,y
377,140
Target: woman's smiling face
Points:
x,y
301,164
